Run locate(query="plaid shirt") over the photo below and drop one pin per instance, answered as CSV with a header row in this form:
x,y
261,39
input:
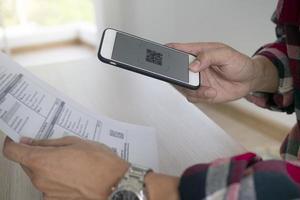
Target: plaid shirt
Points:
x,y
247,176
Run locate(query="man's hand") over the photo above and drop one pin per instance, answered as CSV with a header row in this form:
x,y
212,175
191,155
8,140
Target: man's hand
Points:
x,y
68,168
71,168
227,74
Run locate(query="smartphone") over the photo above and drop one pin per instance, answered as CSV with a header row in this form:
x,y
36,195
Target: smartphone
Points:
x,y
149,58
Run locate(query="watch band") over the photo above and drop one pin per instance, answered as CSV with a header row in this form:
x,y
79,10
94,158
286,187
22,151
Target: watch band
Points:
x,y
135,175
133,181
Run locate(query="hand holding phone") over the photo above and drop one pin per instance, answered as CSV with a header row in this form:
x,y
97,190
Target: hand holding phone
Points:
x,y
149,58
227,74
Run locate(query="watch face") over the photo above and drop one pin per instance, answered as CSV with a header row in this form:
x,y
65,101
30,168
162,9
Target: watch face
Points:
x,y
125,195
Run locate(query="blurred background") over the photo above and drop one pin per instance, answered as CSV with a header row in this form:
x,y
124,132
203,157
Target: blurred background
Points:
x,y
38,32
48,30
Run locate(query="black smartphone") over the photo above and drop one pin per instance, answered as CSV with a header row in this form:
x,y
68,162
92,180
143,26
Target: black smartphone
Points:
x,y
149,58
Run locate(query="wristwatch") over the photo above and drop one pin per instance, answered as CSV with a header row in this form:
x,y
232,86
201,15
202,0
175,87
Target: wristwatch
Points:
x,y
132,185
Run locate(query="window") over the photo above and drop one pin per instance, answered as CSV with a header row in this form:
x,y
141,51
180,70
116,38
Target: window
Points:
x,y
46,12
34,22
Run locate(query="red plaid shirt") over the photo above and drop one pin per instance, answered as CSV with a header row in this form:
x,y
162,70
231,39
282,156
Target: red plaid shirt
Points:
x,y
247,176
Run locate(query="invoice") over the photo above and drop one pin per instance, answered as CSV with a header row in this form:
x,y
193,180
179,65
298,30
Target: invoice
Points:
x,y
31,108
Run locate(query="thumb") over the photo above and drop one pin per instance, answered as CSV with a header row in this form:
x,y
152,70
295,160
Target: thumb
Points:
x,y
65,141
211,57
15,151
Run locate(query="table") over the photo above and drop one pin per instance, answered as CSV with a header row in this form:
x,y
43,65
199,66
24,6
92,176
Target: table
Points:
x,y
185,134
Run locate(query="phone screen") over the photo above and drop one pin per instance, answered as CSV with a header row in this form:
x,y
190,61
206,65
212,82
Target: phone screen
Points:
x,y
151,57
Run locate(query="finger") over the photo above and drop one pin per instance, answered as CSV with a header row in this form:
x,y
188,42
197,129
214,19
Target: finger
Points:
x,y
185,91
212,57
65,141
51,197
193,99
27,171
195,66
194,96
16,152
178,88
195,48
203,93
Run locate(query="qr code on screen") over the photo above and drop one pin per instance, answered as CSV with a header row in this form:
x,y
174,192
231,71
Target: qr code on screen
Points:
x,y
154,57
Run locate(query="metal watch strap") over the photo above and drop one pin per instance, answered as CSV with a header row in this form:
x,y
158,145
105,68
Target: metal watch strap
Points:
x,y
135,174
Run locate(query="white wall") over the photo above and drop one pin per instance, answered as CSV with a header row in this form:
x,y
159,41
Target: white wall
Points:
x,y
244,25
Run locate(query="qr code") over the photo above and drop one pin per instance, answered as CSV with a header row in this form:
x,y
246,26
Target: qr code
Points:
x,y
154,57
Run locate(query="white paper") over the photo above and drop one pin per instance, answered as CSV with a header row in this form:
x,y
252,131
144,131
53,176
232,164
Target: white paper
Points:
x,y
29,107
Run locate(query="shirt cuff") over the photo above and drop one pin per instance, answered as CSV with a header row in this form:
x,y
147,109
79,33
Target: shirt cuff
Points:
x,y
207,180
282,99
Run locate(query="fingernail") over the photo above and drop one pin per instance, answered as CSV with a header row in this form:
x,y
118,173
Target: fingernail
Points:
x,y
26,140
195,65
210,93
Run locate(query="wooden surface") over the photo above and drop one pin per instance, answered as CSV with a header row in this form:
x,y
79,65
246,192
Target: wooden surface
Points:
x,y
185,135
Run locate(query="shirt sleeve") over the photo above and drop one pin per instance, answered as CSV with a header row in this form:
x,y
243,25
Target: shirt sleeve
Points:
x,y
244,176
282,99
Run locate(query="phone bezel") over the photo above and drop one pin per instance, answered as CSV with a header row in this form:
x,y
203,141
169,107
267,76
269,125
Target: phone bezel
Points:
x,y
106,50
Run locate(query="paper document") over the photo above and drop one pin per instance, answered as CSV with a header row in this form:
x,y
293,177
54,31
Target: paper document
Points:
x,y
29,107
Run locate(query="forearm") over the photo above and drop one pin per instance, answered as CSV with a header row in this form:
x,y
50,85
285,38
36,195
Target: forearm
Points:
x,y
266,75
162,187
